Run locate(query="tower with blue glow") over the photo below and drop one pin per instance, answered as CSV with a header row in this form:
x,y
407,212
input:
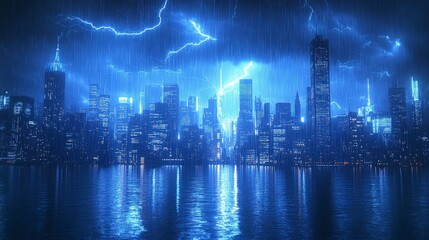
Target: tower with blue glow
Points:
x,y
171,99
245,125
53,110
320,100
417,104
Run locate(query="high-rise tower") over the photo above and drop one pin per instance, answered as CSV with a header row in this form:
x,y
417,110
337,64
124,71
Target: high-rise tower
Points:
x,y
320,116
53,110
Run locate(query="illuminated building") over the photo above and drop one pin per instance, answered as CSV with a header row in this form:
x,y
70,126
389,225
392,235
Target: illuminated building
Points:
x,y
171,99
193,110
93,124
137,132
416,105
22,129
245,125
355,138
122,118
319,112
297,108
212,131
278,129
93,108
193,147
264,137
259,113
53,110
4,100
157,138
105,126
398,113
75,142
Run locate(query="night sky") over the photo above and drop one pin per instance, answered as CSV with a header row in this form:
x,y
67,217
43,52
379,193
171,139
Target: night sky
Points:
x,y
385,41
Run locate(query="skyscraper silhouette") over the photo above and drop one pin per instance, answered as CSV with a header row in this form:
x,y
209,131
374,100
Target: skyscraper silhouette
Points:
x,y
320,100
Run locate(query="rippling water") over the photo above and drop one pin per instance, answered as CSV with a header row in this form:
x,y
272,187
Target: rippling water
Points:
x,y
123,202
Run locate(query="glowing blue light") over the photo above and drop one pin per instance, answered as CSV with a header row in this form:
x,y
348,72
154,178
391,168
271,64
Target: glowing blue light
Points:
x,y
310,16
116,32
199,32
231,84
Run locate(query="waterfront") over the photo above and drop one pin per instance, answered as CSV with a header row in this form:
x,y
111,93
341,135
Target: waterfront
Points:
x,y
123,202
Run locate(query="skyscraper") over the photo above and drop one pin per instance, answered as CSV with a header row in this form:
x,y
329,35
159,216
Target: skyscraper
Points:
x,y
320,100
171,99
416,104
93,108
105,126
193,110
22,129
53,110
398,112
245,125
259,113
122,118
297,108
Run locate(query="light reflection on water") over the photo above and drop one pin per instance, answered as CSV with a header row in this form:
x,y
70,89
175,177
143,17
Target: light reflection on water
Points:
x,y
123,202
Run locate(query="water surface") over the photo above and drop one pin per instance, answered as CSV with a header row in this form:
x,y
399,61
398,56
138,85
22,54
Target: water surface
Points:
x,y
123,202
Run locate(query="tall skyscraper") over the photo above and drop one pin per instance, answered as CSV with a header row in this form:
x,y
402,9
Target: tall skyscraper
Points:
x,y
122,118
264,137
171,99
320,100
193,110
297,108
245,125
93,108
53,110
398,112
212,131
157,138
259,113
416,104
105,126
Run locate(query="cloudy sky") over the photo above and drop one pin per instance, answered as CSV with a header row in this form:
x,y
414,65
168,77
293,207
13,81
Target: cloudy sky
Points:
x,y
102,42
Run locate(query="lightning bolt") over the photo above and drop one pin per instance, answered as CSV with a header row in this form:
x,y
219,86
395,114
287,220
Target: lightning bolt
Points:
x,y
310,16
348,65
222,91
116,32
199,32
337,105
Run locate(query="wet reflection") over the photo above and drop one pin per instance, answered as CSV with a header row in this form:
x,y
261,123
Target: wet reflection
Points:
x,y
169,202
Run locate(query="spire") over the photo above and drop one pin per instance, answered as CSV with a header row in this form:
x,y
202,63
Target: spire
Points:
x,y
57,65
369,96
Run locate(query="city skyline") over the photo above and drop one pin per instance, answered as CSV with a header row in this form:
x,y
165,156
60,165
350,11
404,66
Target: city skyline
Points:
x,y
384,52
